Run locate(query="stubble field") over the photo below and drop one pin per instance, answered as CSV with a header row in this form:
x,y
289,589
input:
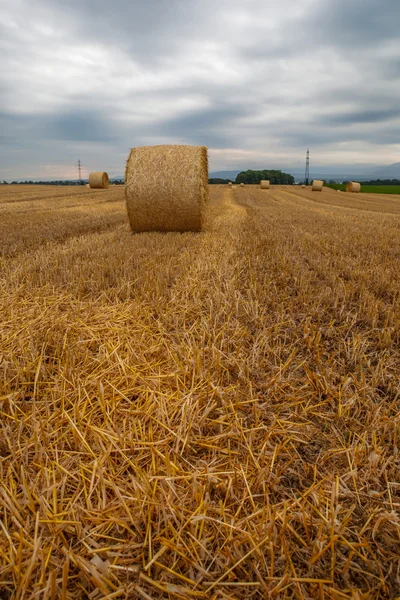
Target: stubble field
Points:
x,y
211,415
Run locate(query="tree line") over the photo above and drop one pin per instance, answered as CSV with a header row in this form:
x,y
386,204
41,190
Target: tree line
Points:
x,y
380,182
250,176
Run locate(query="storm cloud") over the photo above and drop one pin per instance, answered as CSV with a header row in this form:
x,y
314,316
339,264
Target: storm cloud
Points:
x,y
257,82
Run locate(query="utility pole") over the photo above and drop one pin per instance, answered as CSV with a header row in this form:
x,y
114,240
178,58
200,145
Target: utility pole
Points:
x,y
79,166
307,173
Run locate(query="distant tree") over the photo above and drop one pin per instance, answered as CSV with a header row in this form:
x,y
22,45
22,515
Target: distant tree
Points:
x,y
218,180
382,182
274,176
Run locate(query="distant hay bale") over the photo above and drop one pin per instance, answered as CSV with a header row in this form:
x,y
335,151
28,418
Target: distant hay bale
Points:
x,y
303,186
230,183
166,188
88,185
317,185
353,186
264,184
99,180
338,191
242,185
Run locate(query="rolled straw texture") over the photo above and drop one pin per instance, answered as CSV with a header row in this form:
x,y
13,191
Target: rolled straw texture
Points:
x,y
264,184
99,180
317,185
166,188
353,186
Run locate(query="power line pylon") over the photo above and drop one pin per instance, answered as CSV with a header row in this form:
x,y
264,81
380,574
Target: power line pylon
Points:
x,y
307,173
79,167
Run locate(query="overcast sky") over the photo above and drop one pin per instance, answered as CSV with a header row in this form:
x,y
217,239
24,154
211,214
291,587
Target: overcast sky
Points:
x,y
257,81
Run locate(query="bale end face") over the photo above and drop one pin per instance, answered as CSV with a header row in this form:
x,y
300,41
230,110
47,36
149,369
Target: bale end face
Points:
x,y
264,184
99,180
166,188
317,185
353,187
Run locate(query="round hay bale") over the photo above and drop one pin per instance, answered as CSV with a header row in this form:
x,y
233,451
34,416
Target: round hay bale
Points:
x,y
166,188
353,187
264,184
242,185
230,183
317,185
303,186
99,180
88,185
338,191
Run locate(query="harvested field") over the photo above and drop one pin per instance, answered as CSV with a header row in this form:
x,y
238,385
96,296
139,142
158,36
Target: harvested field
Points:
x,y
201,415
32,217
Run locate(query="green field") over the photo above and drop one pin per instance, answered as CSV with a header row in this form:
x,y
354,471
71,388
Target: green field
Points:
x,y
369,189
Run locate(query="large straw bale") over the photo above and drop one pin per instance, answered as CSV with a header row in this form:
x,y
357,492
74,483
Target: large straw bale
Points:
x,y
317,185
230,183
303,186
99,180
166,188
264,184
353,186
242,185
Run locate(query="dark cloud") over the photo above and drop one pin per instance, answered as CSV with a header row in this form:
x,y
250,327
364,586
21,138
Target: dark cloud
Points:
x,y
363,116
80,125
214,126
251,80
355,23
77,126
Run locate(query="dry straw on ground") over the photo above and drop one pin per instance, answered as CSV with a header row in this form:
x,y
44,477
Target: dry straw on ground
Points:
x,y
99,180
317,185
264,184
353,186
166,188
200,417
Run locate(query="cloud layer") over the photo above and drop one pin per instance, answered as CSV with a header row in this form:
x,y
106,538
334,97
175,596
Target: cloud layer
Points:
x,y
257,82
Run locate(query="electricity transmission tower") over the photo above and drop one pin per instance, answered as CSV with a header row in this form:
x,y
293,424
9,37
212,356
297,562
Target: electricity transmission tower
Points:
x,y
79,167
307,173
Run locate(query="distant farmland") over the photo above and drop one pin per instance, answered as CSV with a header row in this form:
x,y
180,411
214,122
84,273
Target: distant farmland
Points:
x,y
369,189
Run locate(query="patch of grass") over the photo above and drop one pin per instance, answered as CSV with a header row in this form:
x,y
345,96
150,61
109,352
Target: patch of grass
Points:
x,y
369,189
380,189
